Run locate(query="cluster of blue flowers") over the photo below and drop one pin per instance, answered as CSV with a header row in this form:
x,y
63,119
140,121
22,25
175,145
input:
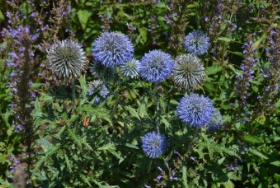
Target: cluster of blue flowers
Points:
x,y
114,49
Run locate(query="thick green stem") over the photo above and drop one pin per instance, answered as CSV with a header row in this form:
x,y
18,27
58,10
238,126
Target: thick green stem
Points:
x,y
73,93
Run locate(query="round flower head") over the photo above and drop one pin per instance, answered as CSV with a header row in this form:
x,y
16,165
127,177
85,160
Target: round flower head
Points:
x,y
188,71
156,66
131,68
215,122
102,72
195,110
98,87
154,144
66,59
197,42
112,49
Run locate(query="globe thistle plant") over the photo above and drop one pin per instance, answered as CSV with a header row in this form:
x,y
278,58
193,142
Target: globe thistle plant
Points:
x,y
197,42
156,66
66,59
154,144
102,72
215,122
131,68
195,110
188,71
112,49
98,87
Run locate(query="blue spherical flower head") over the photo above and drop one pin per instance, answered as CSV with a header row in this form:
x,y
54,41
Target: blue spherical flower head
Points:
x,y
156,66
98,87
197,42
112,49
195,110
154,144
215,122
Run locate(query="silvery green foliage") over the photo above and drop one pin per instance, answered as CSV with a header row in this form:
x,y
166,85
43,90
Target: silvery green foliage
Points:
x,y
197,42
112,49
66,59
154,144
98,87
102,72
156,66
188,71
195,110
215,122
131,68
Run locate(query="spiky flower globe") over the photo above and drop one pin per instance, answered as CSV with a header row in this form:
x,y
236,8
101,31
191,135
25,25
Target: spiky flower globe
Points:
x,y
197,42
188,71
131,68
98,87
154,144
215,122
112,49
66,59
195,110
156,66
102,72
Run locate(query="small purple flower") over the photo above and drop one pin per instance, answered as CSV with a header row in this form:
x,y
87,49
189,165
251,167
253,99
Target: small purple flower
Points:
x,y
27,182
167,165
13,55
159,168
206,18
16,131
20,127
147,186
159,177
43,142
192,158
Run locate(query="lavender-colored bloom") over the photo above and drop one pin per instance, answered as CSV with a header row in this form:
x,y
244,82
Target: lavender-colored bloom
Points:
x,y
206,18
131,68
215,122
112,49
67,59
176,152
156,66
16,131
192,158
159,177
188,71
197,42
159,168
98,87
43,142
172,177
195,110
13,55
20,127
102,72
154,144
147,186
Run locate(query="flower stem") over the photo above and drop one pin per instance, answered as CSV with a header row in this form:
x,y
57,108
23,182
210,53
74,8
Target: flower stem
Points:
x,y
73,93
